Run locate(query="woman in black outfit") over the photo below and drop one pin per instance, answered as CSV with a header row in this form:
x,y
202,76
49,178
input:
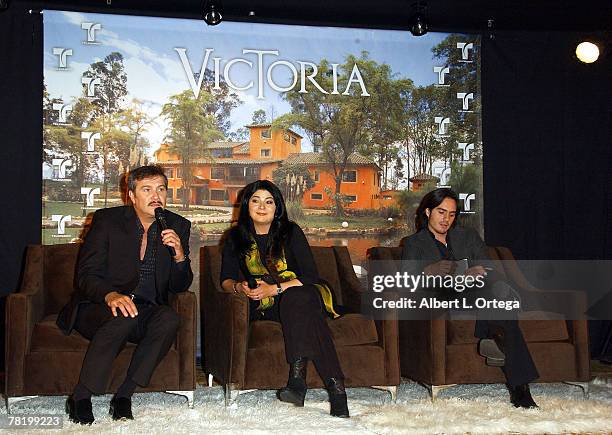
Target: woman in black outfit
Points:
x,y
272,253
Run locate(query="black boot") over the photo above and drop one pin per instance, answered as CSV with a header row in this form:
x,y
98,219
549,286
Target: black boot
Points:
x,y
79,411
295,391
121,408
337,398
520,396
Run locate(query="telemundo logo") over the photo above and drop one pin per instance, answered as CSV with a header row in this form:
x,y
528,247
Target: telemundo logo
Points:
x,y
91,29
62,57
60,168
90,195
61,224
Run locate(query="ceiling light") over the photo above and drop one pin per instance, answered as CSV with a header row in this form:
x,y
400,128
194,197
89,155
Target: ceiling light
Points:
x,y
587,52
417,24
213,12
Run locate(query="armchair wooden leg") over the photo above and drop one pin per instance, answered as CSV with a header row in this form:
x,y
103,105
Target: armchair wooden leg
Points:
x,y
435,389
584,386
187,394
392,389
12,400
232,393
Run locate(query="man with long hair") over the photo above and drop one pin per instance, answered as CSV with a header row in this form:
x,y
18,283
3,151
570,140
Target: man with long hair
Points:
x,y
434,250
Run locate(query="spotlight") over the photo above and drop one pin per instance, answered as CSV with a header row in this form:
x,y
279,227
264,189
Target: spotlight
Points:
x,y
213,12
418,25
418,21
587,52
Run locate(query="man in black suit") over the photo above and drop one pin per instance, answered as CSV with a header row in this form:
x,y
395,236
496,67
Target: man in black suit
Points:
x,y
434,250
124,273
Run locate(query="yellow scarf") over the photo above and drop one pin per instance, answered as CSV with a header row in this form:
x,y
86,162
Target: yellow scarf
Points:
x,y
257,269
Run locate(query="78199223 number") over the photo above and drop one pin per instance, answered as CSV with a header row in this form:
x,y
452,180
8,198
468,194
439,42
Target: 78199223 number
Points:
x,y
47,421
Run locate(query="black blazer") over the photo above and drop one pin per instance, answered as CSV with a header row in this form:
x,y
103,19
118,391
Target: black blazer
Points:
x,y
109,260
420,249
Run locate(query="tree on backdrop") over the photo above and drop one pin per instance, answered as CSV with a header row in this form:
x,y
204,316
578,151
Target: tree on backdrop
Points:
x,y
259,117
108,101
223,101
242,134
422,145
65,141
136,121
462,78
293,181
337,124
385,123
192,129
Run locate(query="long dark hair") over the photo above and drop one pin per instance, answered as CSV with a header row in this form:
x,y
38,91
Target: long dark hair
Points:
x,y
431,201
244,229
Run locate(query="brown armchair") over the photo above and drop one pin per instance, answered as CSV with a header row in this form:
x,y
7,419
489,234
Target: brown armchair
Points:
x,y
441,353
41,360
244,356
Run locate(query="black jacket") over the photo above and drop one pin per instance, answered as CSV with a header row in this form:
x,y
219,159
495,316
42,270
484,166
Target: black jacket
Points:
x,y
420,249
109,260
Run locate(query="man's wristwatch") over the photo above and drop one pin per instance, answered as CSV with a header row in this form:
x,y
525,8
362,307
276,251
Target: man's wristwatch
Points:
x,y
279,289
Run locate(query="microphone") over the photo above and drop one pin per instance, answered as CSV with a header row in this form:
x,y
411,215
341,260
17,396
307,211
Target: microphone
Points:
x,y
252,282
160,217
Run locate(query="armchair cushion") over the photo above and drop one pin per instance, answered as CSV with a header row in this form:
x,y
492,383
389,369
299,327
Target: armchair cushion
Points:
x,y
348,330
328,269
534,331
47,337
353,329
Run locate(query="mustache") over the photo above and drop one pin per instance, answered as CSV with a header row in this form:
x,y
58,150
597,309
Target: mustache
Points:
x,y
155,203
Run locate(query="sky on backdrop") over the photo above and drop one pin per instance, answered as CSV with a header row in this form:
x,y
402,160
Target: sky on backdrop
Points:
x,y
155,72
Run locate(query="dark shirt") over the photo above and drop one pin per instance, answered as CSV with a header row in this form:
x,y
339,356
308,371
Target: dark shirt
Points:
x,y
446,251
146,278
297,253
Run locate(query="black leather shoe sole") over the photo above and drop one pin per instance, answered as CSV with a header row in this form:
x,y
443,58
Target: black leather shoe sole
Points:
x,y
290,395
80,412
121,409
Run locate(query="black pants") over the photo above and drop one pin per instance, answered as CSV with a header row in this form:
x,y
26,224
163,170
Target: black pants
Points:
x,y
519,367
153,329
302,317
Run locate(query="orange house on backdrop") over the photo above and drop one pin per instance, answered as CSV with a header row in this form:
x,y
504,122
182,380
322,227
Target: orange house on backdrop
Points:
x,y
217,179
360,181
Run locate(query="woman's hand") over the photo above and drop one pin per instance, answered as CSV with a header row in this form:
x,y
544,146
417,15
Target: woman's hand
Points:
x,y
241,287
263,290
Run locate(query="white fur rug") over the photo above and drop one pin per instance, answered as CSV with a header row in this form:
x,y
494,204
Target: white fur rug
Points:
x,y
459,409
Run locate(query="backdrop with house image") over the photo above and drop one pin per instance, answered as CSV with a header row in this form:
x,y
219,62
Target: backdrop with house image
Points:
x,y
354,125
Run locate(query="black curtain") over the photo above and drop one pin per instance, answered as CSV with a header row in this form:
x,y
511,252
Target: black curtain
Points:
x,y
20,144
547,133
21,85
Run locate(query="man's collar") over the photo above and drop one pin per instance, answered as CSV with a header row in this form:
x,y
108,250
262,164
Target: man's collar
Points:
x,y
433,236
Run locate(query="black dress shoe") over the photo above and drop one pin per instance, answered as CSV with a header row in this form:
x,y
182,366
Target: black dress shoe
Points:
x,y
295,391
121,408
520,396
79,411
337,398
